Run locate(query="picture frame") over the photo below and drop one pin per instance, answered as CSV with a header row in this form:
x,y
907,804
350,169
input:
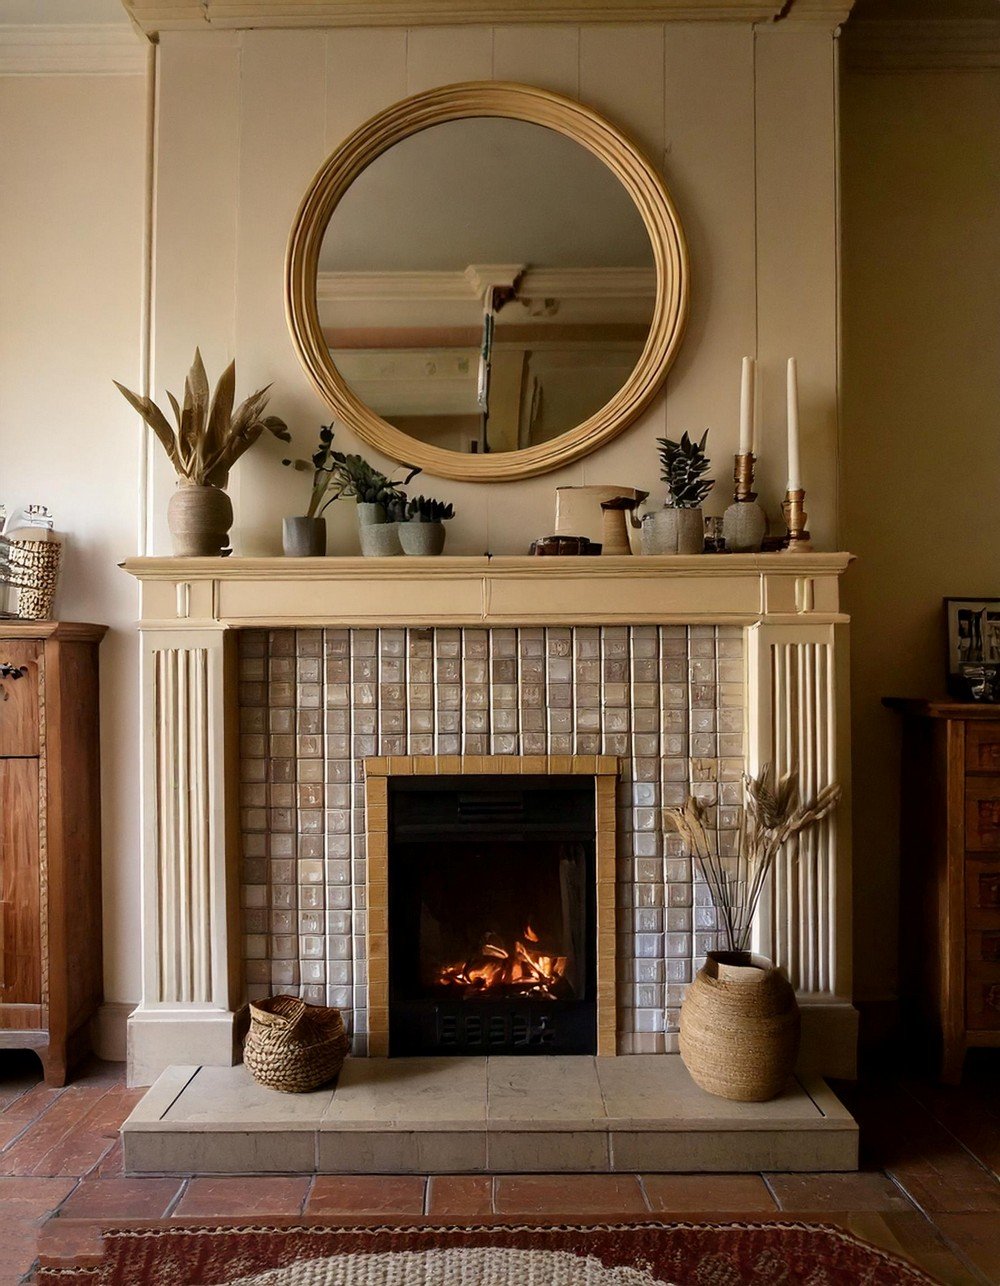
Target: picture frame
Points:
x,y
973,639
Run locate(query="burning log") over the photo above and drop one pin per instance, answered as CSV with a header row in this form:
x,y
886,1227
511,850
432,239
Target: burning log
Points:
x,y
522,970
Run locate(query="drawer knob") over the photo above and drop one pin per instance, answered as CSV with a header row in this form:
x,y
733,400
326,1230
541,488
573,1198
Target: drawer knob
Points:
x,y
8,671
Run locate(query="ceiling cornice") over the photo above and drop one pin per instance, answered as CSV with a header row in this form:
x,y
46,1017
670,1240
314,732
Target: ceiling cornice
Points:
x,y
154,16
900,44
68,50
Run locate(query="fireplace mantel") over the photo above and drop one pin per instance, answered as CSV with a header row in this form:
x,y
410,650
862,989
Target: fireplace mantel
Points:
x,y
733,589
795,685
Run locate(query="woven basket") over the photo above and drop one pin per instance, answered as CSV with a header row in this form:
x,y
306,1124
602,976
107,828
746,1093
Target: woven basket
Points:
x,y
739,1030
36,573
292,1046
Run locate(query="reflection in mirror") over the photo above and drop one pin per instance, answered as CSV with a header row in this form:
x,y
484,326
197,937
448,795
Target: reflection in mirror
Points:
x,y
486,285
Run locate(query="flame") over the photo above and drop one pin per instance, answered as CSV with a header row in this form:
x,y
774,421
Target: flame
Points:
x,y
521,970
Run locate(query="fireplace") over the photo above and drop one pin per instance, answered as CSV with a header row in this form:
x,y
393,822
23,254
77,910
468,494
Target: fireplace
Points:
x,y
492,915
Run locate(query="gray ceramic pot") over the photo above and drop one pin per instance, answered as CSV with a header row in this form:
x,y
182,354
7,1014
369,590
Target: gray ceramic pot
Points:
x,y
303,537
199,519
673,531
370,515
380,540
423,539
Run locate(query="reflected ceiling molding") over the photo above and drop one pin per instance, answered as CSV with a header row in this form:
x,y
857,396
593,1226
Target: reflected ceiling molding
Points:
x,y
559,283
178,15
71,50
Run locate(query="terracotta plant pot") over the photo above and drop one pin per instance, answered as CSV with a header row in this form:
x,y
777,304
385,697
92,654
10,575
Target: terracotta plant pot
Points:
x,y
303,537
739,1034
673,531
423,539
199,519
381,540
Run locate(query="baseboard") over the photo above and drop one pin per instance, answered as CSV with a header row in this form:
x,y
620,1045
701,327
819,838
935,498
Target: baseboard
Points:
x,y
109,1031
829,1039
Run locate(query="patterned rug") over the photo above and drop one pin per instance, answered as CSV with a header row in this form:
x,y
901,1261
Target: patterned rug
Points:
x,y
648,1254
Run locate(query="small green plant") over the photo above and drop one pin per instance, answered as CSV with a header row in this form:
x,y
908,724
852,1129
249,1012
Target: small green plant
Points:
x,y
682,465
337,475
210,436
424,509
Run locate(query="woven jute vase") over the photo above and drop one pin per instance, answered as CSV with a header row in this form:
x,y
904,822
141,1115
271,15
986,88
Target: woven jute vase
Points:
x,y
292,1046
739,1034
199,519
36,574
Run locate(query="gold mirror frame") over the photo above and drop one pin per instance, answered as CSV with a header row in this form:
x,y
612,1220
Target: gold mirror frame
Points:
x,y
523,103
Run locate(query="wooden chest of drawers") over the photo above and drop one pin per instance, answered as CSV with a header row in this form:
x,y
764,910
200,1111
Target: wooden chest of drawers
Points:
x,y
50,840
950,860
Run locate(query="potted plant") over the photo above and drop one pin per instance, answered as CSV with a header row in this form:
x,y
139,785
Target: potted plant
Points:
x,y
739,1028
679,528
423,531
210,437
304,535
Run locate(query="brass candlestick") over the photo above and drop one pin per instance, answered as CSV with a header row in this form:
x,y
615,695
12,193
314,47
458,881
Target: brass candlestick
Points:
x,y
795,516
744,524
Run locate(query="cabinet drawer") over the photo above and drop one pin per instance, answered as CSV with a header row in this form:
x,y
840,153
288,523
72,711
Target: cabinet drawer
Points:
x,y
19,660
982,747
982,885
982,997
982,814
982,946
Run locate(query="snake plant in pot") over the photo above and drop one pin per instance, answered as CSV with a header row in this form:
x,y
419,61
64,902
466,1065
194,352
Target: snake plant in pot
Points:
x,y
210,437
679,528
423,531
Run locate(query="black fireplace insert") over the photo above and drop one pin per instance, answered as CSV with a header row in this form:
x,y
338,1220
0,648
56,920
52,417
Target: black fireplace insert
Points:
x,y
492,939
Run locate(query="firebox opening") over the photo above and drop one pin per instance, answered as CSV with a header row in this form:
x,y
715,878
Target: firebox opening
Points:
x,y
492,943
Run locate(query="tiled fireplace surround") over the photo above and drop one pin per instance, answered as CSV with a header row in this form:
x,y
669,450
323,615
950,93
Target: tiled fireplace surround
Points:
x,y
666,701
267,683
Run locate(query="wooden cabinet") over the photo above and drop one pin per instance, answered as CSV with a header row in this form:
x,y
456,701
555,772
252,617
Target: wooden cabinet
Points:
x,y
50,840
950,859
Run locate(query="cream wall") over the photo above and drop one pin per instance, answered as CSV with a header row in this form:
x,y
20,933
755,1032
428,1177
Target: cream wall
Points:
x,y
72,160
921,422
742,121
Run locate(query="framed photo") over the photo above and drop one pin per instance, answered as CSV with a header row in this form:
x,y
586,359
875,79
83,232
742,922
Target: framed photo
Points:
x,y
973,628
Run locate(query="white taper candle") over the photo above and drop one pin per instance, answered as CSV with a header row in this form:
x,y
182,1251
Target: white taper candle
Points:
x,y
747,406
794,466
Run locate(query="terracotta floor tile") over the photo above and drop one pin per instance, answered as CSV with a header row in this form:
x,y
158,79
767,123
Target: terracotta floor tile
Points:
x,y
31,1105
29,1197
253,1195
849,1192
18,1251
69,1241
460,1195
124,1198
367,1194
9,1130
111,1164
569,1196
29,1155
976,1237
723,1193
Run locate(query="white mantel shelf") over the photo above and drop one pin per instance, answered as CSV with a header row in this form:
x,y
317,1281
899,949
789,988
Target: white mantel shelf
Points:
x,y
738,589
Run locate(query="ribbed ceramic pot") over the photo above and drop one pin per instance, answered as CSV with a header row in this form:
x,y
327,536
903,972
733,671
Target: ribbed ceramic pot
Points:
x,y
303,537
739,1030
423,539
381,540
744,526
673,531
199,519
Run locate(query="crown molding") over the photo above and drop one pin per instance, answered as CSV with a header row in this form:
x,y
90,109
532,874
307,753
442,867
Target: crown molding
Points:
x,y
559,283
922,44
71,51
153,16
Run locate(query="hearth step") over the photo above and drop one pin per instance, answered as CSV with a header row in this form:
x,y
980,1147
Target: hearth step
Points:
x,y
560,1114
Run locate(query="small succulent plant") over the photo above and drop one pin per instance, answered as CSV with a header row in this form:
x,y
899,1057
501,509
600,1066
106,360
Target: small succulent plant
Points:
x,y
424,509
366,483
210,436
682,466
336,474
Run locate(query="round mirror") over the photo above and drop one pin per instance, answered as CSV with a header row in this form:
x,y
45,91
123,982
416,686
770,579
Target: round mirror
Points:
x,y
487,281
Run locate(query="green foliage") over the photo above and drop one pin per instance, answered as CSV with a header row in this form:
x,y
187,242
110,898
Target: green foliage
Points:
x,y
336,474
366,483
682,465
324,472
424,509
210,436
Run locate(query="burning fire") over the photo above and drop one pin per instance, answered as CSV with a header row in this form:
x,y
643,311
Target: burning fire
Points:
x,y
520,970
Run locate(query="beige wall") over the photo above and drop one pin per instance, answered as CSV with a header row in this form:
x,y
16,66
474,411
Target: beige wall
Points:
x,y
920,476
72,162
245,119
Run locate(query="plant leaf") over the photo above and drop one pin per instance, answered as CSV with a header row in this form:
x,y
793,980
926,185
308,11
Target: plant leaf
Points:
x,y
156,420
221,411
